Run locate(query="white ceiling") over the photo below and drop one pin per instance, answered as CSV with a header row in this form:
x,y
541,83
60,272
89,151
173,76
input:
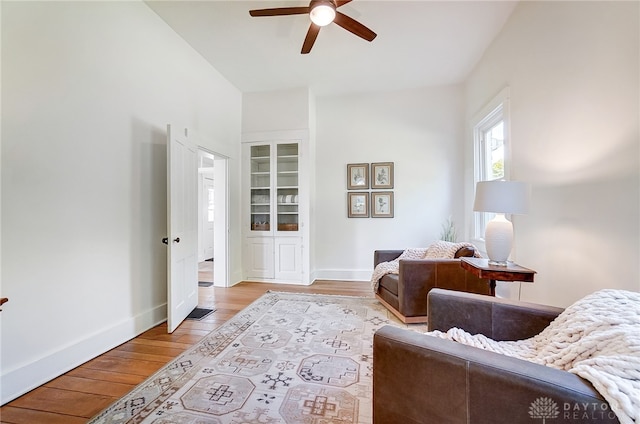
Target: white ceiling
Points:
x,y
419,43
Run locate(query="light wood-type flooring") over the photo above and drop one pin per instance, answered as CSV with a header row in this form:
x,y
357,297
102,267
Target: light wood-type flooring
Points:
x,y
78,395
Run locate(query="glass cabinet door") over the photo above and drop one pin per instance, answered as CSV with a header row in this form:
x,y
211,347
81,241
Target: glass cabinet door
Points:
x,y
287,186
260,188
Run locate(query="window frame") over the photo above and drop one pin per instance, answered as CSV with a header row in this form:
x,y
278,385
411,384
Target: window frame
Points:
x,y
490,115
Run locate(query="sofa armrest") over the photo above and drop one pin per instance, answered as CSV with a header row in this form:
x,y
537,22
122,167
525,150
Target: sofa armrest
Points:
x,y
385,256
423,379
418,276
499,319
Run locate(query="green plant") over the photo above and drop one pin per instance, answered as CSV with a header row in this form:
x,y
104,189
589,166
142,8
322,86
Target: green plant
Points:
x,y
449,231
498,169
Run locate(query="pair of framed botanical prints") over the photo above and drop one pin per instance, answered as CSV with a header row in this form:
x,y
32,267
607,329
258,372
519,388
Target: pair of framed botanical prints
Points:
x,y
381,201
381,176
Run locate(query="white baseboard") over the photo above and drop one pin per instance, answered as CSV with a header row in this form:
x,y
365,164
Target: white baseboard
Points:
x,y
22,379
323,274
343,274
273,281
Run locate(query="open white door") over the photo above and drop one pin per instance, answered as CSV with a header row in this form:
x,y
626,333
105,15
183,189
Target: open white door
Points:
x,y
182,227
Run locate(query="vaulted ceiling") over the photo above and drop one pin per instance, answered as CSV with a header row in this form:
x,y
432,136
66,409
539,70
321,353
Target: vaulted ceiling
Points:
x,y
419,43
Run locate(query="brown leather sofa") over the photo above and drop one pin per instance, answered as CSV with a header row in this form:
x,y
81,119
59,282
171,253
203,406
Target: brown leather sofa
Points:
x,y
405,294
424,379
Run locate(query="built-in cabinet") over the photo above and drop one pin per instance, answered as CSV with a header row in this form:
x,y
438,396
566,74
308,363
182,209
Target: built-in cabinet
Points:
x,y
274,198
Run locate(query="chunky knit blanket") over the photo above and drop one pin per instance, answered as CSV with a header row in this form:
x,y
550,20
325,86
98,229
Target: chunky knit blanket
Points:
x,y
597,338
438,250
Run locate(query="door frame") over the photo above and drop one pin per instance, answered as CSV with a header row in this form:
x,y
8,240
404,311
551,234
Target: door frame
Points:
x,y
221,217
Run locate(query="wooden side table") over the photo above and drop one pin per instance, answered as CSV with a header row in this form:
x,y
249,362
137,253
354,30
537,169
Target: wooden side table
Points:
x,y
511,272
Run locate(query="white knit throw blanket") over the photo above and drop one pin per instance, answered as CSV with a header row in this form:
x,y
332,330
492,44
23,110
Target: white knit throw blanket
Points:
x,y
597,338
438,250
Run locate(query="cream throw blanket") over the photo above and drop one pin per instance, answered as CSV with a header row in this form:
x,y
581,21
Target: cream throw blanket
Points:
x,y
597,338
438,250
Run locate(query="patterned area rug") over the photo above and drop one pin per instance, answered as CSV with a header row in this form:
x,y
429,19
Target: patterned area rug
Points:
x,y
286,358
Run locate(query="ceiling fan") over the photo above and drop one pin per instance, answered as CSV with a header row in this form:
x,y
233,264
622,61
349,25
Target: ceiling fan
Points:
x,y
322,13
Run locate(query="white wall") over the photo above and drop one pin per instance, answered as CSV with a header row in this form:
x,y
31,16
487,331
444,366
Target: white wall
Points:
x,y
87,91
421,131
280,110
573,72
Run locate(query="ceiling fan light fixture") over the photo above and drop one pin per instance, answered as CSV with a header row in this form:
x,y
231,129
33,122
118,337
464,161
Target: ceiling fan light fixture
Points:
x,y
323,13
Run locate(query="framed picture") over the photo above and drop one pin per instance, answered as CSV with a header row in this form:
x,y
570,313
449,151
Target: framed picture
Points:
x,y
382,175
358,176
358,205
382,204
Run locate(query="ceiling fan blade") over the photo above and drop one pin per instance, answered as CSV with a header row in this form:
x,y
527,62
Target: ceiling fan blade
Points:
x,y
312,34
280,11
354,26
342,2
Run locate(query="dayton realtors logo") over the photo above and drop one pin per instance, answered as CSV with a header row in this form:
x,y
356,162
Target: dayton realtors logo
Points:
x,y
544,408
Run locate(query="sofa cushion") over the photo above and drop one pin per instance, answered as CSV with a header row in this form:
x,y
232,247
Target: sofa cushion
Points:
x,y
444,249
466,252
390,299
390,283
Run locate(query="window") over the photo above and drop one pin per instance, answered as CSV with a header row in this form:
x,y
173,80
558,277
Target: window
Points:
x,y
491,150
491,145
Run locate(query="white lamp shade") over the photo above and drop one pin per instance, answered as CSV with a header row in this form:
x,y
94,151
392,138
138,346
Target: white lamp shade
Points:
x,y
323,13
502,197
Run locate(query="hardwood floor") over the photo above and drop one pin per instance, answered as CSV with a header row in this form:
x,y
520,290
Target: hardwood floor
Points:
x,y
78,395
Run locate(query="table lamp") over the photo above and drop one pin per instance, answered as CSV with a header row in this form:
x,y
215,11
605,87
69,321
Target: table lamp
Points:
x,y
501,197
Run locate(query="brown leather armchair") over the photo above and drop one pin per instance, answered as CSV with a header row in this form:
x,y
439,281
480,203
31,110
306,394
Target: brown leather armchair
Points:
x,y
405,294
424,379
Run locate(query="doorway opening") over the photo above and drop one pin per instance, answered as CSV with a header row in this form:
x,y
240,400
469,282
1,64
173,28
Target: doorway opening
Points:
x,y
212,224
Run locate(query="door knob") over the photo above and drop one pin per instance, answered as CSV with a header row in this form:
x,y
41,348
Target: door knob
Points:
x,y
177,239
165,240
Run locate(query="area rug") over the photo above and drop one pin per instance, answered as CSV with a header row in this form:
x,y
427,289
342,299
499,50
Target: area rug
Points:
x,y
286,358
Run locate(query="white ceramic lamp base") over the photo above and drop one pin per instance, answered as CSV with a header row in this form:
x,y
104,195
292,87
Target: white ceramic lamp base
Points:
x,y
498,238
